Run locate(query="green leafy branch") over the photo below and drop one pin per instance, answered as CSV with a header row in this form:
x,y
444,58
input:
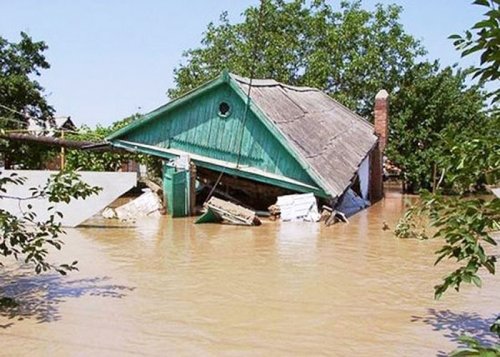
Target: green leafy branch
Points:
x,y
25,237
483,39
475,348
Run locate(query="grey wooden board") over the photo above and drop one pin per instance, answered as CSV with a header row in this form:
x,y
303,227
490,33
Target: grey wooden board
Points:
x,y
113,185
230,212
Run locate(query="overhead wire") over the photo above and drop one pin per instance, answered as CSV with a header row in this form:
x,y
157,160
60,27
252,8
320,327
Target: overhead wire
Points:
x,y
13,120
18,121
12,110
247,104
24,115
256,47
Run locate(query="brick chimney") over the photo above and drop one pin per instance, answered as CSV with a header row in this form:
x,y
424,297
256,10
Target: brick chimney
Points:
x,y
381,123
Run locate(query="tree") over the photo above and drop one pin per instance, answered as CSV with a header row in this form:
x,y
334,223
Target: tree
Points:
x,y
28,239
482,38
466,223
350,54
25,237
106,161
431,104
97,161
20,64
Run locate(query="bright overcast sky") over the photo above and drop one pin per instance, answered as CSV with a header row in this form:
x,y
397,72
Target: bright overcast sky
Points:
x,y
110,59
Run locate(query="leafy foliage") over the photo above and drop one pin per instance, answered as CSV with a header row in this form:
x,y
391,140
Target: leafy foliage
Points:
x,y
464,223
482,38
431,104
350,54
475,348
26,238
20,64
97,161
106,161
472,159
467,161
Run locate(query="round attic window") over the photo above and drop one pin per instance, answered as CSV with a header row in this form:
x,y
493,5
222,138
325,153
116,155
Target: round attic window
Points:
x,y
224,110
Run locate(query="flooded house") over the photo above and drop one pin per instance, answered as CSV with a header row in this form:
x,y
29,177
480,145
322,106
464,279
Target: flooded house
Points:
x,y
251,141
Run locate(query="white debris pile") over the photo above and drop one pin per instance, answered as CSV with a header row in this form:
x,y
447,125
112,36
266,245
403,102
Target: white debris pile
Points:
x,y
147,204
299,207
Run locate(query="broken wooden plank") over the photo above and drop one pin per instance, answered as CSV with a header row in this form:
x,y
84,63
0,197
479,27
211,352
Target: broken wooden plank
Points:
x,y
153,186
226,212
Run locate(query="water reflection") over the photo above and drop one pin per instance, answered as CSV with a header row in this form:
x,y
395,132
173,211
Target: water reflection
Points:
x,y
38,297
297,242
456,324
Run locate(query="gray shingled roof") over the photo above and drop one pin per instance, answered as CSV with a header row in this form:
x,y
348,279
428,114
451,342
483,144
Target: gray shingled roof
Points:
x,y
330,137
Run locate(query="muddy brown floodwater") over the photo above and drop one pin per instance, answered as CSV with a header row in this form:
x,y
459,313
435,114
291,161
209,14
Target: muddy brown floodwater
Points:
x,y
169,287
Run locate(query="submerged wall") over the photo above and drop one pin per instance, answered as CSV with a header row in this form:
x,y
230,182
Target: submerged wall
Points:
x,y
113,185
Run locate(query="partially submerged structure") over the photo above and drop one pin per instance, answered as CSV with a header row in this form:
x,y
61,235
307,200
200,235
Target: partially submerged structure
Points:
x,y
254,140
19,198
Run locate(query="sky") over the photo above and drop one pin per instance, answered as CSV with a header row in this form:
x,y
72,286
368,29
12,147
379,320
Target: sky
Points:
x,y
110,59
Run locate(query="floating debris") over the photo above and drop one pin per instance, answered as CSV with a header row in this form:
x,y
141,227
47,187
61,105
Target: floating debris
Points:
x,y
148,204
298,207
494,190
220,211
330,216
109,213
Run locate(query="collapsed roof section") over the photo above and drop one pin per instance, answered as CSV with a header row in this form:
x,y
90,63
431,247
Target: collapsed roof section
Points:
x,y
329,137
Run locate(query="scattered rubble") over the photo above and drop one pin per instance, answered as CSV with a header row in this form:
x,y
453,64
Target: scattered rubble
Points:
x,y
148,204
109,213
329,216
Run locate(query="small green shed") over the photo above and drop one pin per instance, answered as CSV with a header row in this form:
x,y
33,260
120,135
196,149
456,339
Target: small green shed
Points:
x,y
293,138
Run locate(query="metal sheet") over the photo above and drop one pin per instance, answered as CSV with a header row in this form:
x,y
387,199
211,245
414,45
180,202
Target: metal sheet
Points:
x,y
300,207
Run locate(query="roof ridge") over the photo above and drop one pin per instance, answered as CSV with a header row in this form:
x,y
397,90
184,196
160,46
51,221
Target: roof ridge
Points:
x,y
271,83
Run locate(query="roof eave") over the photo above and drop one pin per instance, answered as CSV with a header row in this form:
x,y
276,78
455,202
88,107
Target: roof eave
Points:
x,y
229,168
